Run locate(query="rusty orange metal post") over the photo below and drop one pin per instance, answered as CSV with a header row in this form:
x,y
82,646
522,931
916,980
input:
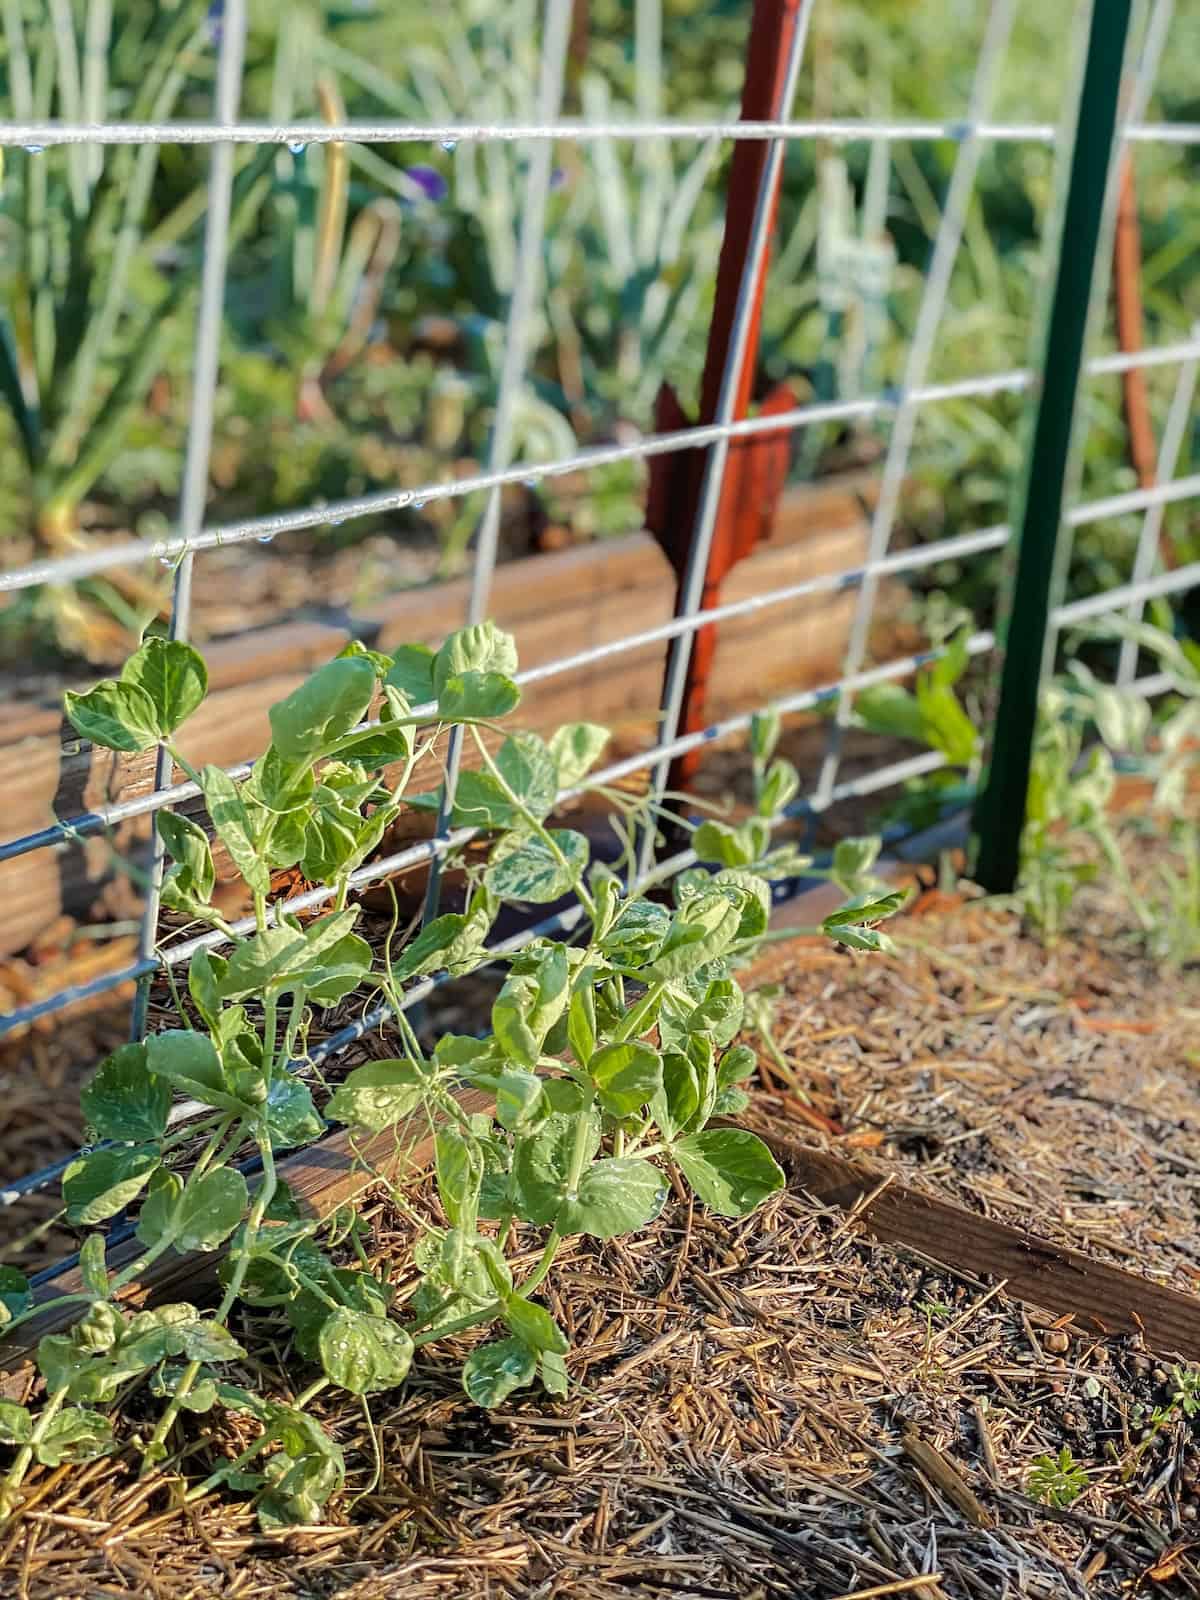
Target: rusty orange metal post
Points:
x,y
757,467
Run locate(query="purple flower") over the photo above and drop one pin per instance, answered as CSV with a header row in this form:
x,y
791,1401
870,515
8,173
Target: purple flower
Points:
x,y
216,20
427,183
558,178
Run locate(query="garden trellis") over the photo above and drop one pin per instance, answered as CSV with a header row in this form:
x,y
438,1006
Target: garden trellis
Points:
x,y
1041,530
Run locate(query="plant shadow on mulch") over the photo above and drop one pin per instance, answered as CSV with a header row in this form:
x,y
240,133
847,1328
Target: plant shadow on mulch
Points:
x,y
780,1406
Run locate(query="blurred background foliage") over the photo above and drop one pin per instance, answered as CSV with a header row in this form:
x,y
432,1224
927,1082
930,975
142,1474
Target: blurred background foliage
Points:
x,y
368,284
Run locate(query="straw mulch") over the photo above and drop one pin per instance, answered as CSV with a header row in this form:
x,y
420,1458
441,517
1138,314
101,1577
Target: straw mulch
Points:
x,y
779,1406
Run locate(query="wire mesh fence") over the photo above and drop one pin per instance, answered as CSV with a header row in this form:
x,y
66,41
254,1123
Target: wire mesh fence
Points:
x,y
1097,128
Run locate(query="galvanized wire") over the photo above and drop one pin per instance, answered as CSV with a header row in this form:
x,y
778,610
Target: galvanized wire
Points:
x,y
556,31
36,136
1146,556
920,352
691,587
210,319
69,569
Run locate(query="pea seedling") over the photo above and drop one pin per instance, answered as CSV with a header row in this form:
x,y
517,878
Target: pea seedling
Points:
x,y
607,1061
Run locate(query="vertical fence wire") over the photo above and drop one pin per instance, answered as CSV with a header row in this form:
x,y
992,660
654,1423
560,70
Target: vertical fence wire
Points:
x,y
209,320
712,485
527,277
1174,433
933,304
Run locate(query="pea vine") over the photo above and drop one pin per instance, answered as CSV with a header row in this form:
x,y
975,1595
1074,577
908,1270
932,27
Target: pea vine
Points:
x,y
608,1061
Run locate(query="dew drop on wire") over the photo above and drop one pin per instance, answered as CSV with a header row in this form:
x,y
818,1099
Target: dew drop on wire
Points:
x,y
418,505
265,538
297,146
449,145
34,149
529,483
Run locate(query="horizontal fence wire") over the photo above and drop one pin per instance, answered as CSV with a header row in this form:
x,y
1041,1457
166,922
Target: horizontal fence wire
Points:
x,y
38,136
425,850
68,569
912,560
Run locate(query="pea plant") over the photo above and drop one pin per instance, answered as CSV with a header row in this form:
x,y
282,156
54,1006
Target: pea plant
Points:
x,y
1070,790
611,1063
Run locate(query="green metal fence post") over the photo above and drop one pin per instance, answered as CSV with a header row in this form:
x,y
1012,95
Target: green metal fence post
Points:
x,y
1000,811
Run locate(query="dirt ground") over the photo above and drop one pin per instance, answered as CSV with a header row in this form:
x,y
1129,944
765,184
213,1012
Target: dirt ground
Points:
x,y
782,1406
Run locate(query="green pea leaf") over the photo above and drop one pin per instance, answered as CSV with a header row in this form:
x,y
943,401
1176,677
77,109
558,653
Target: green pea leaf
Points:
x,y
492,1372
308,1313
123,1100
626,1076
363,1353
16,1424
552,1370
719,1014
156,1220
91,1266
338,970
765,728
324,708
232,821
729,846
701,930
190,1062
581,1017
378,1095
520,1101
730,1169
75,1434
638,934
887,708
16,1296
616,1195
853,858
292,1119
173,677
751,893
677,1102
451,943
458,1167
736,1066
531,775
778,789
477,697
542,1162
376,747
534,1326
283,958
117,716
576,747
281,783
205,972
481,647
525,868
210,1209
101,1184
873,939
411,672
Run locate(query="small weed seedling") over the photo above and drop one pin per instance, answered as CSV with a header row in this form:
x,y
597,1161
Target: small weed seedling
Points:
x,y
607,1061
1057,1480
